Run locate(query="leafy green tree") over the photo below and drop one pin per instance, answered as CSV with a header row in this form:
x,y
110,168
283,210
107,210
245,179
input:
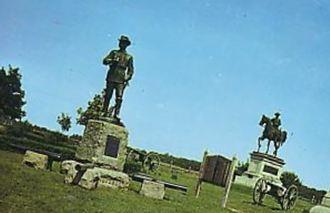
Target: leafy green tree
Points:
x,y
93,111
289,178
11,94
65,121
3,91
242,167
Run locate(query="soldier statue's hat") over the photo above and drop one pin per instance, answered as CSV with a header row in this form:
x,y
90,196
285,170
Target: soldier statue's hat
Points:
x,y
277,113
125,39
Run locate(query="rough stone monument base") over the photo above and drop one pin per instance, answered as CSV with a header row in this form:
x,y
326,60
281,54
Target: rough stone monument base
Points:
x,y
153,189
261,165
104,143
35,160
100,157
92,178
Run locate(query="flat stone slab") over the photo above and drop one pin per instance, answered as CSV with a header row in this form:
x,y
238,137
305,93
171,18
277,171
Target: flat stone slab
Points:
x,y
268,158
100,177
153,189
35,160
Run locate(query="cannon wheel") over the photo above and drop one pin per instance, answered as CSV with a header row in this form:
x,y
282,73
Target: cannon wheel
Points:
x,y
290,197
131,155
259,191
151,162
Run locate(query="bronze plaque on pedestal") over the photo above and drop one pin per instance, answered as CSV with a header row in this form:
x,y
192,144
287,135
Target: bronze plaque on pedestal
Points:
x,y
112,146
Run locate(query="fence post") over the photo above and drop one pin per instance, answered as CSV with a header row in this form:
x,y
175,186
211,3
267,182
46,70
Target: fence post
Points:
x,y
200,176
229,182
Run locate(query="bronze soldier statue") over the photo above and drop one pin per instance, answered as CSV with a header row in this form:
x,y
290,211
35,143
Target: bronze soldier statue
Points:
x,y
120,72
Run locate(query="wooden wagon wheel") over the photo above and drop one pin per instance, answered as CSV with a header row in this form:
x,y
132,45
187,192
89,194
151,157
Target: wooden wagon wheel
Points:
x,y
259,191
290,197
131,155
151,162
135,155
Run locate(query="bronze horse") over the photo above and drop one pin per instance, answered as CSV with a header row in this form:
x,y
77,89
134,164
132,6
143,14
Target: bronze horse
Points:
x,y
272,134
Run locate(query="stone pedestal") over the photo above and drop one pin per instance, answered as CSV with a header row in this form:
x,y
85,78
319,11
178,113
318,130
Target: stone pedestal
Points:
x,y
35,160
104,143
262,165
101,155
153,189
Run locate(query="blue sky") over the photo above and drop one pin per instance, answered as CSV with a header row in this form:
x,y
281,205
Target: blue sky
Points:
x,y
205,71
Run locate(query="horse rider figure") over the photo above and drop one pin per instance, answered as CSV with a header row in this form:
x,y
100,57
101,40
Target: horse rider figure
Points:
x,y
276,123
272,132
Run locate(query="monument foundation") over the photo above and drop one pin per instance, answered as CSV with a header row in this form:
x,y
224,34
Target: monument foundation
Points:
x,y
261,165
104,143
101,157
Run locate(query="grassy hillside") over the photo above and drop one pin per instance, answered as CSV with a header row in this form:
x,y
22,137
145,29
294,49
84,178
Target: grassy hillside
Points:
x,y
35,137
24,189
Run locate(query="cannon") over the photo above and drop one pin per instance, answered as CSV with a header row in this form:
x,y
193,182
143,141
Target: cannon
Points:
x,y
52,156
286,197
149,161
140,177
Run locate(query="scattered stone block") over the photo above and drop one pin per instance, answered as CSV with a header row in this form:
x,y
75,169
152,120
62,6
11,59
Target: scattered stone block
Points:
x,y
153,189
113,179
68,167
100,177
35,160
3,129
89,179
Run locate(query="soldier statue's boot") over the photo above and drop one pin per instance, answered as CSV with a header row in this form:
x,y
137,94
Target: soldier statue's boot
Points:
x,y
105,110
119,100
110,111
105,105
105,113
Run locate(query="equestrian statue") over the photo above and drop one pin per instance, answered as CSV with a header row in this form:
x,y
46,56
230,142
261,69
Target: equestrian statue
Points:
x,y
272,132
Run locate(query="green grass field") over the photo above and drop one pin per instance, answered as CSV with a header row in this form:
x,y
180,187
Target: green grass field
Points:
x,y
24,189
